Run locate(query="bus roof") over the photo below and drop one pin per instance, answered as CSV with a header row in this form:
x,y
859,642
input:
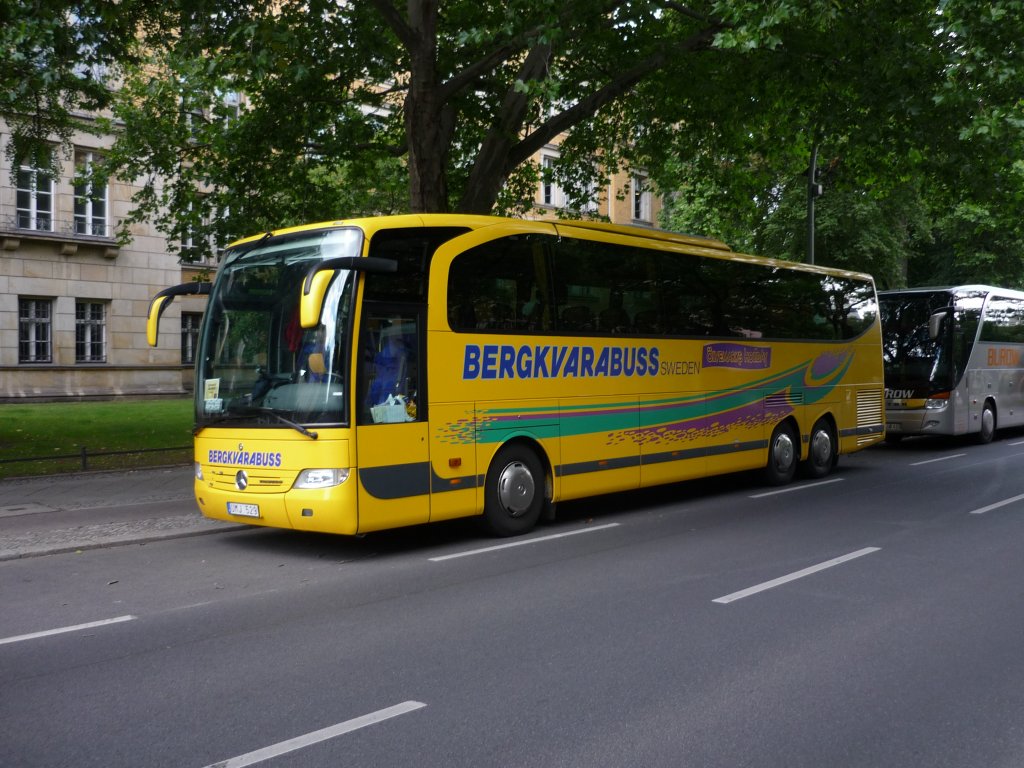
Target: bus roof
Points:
x,y
372,224
646,233
971,287
375,223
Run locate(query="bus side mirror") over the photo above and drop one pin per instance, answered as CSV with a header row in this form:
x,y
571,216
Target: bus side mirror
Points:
x,y
318,277
312,299
935,323
163,300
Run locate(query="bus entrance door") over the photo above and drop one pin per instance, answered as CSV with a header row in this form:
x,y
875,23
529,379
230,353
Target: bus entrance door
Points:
x,y
394,453
394,475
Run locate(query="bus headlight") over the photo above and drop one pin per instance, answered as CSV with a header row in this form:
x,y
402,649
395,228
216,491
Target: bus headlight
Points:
x,y
935,404
320,478
197,469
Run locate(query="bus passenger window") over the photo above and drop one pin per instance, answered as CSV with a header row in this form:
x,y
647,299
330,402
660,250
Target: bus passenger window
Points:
x,y
647,321
577,318
614,318
500,286
532,311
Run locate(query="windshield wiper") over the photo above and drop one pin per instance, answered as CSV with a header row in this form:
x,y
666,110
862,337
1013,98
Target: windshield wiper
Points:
x,y
235,413
294,425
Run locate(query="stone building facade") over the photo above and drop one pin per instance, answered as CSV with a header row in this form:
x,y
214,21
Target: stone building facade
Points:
x,y
73,302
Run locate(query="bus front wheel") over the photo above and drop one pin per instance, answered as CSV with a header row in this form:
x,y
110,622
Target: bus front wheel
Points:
x,y
822,451
514,492
988,423
783,453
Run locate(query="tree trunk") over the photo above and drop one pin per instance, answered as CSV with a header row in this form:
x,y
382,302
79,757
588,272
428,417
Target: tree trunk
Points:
x,y
428,124
430,121
492,167
428,139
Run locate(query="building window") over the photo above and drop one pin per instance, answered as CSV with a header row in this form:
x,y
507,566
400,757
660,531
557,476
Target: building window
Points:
x,y
90,332
88,67
551,194
192,113
197,245
591,202
35,198
189,336
191,245
231,105
90,198
219,239
35,327
641,199
189,250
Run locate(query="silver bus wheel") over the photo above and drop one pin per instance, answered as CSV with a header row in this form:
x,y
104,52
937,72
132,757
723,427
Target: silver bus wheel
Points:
x,y
988,423
822,450
514,492
782,455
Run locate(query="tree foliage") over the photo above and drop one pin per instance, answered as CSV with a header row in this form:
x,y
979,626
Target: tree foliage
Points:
x,y
463,96
379,106
57,59
919,129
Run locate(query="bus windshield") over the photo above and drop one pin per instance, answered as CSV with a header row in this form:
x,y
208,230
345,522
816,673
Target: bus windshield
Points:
x,y
916,364
258,365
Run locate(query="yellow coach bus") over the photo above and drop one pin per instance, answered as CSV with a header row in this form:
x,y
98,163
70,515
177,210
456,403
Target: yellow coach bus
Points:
x,y
360,375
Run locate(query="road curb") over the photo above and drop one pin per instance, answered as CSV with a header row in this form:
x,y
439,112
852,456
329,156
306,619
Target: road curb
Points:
x,y
88,537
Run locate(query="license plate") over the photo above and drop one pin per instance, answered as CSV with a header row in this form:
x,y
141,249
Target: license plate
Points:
x,y
243,510
894,427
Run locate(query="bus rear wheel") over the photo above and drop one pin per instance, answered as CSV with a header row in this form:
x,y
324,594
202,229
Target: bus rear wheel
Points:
x,y
514,491
822,451
783,453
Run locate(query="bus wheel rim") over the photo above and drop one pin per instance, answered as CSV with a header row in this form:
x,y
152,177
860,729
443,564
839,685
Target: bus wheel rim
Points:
x,y
988,420
821,447
782,451
516,488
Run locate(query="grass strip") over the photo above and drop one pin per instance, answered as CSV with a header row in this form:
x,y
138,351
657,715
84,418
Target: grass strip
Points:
x,y
45,431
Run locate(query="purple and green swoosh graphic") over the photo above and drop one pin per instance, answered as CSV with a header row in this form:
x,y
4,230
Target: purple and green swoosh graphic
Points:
x,y
665,421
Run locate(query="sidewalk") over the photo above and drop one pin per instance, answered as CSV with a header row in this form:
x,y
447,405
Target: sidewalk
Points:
x,y
69,512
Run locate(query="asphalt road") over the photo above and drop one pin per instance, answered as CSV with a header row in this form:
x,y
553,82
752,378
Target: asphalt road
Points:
x,y
875,618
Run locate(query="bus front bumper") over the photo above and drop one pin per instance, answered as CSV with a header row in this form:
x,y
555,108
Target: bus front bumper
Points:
x,y
326,510
918,421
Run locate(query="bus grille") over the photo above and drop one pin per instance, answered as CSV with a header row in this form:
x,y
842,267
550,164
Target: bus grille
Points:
x,y
870,415
257,483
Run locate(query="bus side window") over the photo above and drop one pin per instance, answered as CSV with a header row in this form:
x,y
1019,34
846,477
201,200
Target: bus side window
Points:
x,y
614,318
577,317
499,286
